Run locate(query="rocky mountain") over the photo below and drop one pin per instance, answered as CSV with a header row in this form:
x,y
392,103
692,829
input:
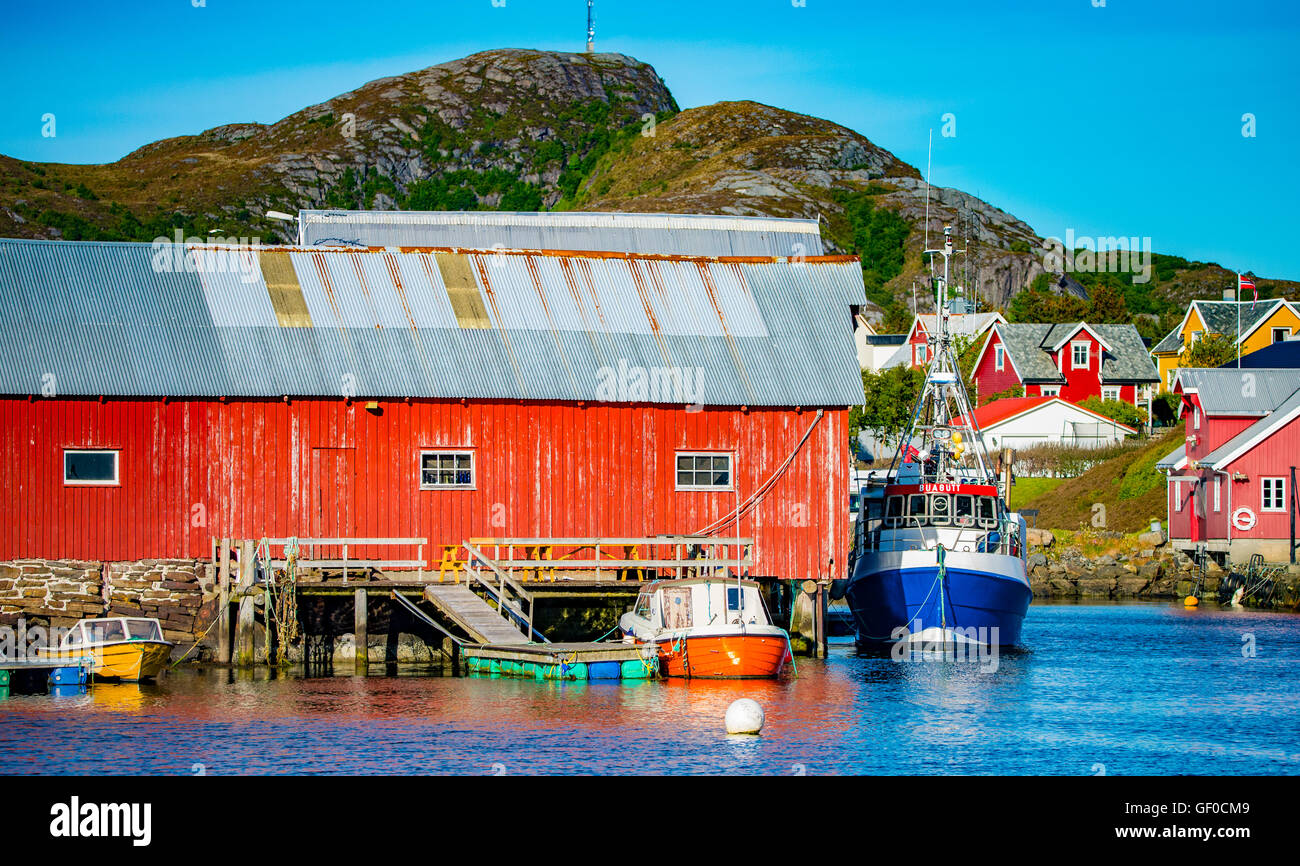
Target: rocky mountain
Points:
x,y
528,130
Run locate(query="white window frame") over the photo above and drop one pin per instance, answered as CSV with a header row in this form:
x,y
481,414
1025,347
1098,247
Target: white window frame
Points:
x,y
441,452
1196,416
999,357
920,353
1178,496
1218,494
1263,493
1087,355
117,468
1049,390
1286,334
1113,389
731,471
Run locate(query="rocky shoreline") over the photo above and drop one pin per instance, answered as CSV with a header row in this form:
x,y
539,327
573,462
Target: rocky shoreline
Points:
x,y
1145,567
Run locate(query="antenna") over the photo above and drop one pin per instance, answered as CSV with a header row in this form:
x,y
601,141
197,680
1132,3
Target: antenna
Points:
x,y
591,27
929,153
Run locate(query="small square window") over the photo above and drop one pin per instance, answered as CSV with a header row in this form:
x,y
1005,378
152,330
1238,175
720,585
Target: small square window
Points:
x,y
1281,334
90,468
1274,498
446,469
703,471
1080,356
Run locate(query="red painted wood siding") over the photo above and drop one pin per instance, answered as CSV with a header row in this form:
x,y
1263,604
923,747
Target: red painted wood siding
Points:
x,y
1272,458
191,470
988,378
1081,382
918,337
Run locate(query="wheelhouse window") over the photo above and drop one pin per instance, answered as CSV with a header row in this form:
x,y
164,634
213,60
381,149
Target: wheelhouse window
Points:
x,y
1274,498
696,471
446,469
87,467
1080,355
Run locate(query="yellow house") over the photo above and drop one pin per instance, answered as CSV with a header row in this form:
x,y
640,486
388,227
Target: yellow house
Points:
x,y
1262,324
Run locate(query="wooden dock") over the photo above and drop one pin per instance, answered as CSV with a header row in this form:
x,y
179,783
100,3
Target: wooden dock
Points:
x,y
36,674
471,613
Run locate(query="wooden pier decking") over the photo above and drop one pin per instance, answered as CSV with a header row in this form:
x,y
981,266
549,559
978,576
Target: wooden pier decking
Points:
x,y
471,613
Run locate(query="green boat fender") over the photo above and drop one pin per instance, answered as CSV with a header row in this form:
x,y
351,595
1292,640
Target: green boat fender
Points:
x,y
633,669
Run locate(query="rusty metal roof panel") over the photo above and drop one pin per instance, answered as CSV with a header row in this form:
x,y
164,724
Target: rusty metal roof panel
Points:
x,y
108,318
672,234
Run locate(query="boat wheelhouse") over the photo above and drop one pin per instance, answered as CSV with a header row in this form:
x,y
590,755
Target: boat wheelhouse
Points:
x,y
707,627
125,648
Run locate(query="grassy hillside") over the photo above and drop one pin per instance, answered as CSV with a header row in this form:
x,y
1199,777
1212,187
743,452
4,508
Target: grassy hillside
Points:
x,y
1128,487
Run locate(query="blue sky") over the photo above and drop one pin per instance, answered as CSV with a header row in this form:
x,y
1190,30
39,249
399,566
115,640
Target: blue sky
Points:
x,y
1122,120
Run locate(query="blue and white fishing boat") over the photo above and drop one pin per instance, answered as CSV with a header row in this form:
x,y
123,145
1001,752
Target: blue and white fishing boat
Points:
x,y
937,555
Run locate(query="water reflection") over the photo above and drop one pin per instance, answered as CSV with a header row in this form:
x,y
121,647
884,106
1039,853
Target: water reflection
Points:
x,y
1131,686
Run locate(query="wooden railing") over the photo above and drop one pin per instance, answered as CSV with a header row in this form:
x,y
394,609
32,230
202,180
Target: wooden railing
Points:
x,y
511,598
544,558
347,561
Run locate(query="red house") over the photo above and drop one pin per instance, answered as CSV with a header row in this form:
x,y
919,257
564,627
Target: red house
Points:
x,y
1232,485
1072,361
915,351
155,397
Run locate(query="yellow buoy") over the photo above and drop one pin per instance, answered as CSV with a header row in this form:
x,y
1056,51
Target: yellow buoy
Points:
x,y
1191,601
956,438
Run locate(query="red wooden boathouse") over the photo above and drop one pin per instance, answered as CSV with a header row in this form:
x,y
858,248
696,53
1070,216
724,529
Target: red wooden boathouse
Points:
x,y
156,397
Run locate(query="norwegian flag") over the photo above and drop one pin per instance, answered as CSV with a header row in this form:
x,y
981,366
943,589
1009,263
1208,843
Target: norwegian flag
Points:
x,y
1244,283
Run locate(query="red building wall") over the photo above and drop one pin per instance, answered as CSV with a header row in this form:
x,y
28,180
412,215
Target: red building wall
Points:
x,y
988,378
1271,458
191,470
918,337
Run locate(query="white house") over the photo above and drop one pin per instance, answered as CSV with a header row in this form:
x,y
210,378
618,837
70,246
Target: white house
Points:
x,y
874,350
1024,422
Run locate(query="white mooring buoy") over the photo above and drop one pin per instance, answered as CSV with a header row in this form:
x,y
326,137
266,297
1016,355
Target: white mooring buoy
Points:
x,y
744,716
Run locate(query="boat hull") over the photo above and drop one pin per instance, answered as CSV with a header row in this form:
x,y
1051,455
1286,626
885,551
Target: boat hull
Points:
x,y
895,595
128,661
738,656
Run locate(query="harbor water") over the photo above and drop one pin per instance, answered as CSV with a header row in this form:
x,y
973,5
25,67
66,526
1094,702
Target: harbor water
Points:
x,y
1110,688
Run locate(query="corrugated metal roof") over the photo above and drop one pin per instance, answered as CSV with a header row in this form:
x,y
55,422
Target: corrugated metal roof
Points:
x,y
136,320
674,234
1229,391
1174,459
1282,414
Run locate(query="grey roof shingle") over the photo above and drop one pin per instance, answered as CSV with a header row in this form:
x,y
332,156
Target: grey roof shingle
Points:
x,y
1220,317
1029,343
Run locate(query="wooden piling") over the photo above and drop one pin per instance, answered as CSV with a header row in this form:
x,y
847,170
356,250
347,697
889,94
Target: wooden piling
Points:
x,y
223,603
361,637
244,625
451,652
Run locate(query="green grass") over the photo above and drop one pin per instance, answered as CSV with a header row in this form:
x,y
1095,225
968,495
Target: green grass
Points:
x,y
1026,489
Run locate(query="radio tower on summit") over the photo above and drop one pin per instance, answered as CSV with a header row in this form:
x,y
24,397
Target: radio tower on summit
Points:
x,y
591,28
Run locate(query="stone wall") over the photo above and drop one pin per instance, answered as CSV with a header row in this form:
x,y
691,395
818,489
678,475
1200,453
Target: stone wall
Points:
x,y
60,592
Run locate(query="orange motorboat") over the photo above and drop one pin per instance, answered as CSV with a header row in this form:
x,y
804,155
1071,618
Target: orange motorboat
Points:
x,y
708,627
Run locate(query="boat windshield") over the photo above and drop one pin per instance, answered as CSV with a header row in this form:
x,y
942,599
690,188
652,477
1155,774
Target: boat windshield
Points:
x,y
642,608
105,630
144,629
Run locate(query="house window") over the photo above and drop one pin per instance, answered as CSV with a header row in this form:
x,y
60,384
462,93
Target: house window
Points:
x,y
444,469
1050,390
1173,371
1196,335
999,357
703,471
1110,392
1196,417
1178,496
90,468
1280,334
1274,494
1218,491
1080,353
920,353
